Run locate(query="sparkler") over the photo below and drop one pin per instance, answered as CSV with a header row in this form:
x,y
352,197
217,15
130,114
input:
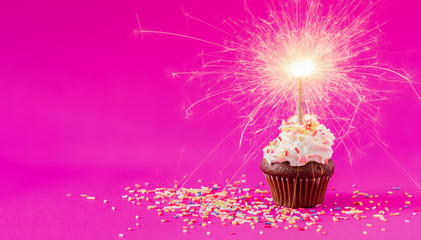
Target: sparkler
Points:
x,y
324,57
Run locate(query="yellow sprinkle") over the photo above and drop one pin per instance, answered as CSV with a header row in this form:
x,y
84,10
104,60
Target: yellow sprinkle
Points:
x,y
390,192
369,225
184,231
68,195
383,229
407,202
365,232
90,198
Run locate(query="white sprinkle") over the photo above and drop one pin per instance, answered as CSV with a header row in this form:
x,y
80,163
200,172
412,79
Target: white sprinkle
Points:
x,y
105,201
113,208
208,233
137,216
121,235
261,232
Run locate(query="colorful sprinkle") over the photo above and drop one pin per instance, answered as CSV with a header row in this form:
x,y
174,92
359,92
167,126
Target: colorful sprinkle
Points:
x,y
237,204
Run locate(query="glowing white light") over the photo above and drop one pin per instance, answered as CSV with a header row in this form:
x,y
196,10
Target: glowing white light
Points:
x,y
301,68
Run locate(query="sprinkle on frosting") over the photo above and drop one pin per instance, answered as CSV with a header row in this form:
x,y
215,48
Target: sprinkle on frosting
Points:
x,y
300,143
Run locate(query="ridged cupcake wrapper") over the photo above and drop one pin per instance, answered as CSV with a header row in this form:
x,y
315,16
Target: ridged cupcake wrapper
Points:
x,y
298,192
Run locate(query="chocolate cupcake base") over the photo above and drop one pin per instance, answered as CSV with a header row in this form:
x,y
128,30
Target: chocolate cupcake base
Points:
x,y
298,187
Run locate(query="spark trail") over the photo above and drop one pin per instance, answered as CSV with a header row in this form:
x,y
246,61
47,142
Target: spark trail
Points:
x,y
338,43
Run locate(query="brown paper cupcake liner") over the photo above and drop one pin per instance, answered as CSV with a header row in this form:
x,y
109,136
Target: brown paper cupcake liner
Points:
x,y
298,192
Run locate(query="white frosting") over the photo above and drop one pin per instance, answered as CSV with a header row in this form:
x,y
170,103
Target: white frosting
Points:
x,y
298,144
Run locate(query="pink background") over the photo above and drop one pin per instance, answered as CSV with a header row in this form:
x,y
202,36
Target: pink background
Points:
x,y
88,106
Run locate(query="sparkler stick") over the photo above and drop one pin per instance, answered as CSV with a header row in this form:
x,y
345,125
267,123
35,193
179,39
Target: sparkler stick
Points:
x,y
300,101
298,70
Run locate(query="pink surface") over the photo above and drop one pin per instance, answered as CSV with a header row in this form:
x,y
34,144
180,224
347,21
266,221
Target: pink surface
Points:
x,y
88,106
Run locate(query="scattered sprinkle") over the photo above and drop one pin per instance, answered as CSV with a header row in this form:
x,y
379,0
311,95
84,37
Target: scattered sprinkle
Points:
x,y
237,204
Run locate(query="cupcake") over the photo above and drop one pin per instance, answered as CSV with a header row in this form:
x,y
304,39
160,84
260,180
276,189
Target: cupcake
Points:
x,y
297,164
